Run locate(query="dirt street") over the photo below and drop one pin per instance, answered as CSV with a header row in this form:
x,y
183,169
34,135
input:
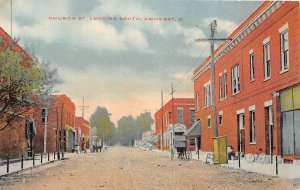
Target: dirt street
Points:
x,y
130,168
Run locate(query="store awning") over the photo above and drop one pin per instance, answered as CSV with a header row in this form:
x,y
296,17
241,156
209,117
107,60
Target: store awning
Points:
x,y
179,138
194,130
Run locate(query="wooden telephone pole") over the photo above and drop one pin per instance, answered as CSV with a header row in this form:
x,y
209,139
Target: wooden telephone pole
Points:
x,y
213,28
173,115
83,108
162,121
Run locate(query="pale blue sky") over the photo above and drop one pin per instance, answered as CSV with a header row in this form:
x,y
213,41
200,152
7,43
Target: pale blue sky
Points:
x,y
122,65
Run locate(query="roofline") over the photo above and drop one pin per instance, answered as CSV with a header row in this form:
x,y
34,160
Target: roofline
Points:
x,y
253,21
12,40
170,101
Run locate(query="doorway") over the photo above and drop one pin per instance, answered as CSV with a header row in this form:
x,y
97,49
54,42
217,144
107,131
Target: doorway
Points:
x,y
241,132
269,120
290,118
291,133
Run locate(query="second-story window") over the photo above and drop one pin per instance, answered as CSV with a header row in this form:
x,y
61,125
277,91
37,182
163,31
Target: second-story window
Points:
x,y
44,115
208,122
170,118
284,50
2,41
225,85
235,79
252,66
166,119
197,101
180,115
192,115
207,95
221,118
267,63
221,86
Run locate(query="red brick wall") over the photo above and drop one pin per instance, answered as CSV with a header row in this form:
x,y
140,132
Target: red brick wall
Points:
x,y
185,103
7,41
61,112
258,91
12,139
84,126
13,142
207,134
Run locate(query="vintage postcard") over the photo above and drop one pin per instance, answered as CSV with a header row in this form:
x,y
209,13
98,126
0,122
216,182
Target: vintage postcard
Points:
x,y
137,94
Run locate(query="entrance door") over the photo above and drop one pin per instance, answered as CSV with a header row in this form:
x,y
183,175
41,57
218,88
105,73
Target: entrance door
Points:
x,y
291,133
297,131
269,130
241,132
288,133
199,142
290,109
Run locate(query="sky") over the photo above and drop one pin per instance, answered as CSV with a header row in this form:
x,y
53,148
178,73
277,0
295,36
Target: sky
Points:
x,y
114,53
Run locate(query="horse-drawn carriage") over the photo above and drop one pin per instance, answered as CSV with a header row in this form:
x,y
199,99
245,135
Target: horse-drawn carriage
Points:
x,y
179,143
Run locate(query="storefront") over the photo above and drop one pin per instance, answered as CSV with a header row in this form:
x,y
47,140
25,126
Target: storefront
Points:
x,y
290,116
193,137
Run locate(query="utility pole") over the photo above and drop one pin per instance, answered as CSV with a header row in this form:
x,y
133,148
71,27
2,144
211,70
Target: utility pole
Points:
x,y
11,15
162,120
83,108
46,129
213,28
47,99
173,115
57,139
62,131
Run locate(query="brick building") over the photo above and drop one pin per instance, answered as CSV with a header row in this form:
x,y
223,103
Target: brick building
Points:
x,y
13,139
57,114
82,128
257,76
183,115
6,42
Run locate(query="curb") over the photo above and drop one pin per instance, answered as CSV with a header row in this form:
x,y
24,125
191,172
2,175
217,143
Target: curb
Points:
x,y
26,169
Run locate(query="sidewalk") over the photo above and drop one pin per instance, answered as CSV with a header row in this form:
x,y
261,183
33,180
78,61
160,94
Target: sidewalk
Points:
x,y
289,171
16,164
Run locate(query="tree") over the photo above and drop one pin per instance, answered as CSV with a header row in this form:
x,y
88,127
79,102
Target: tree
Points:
x,y
101,124
130,129
127,129
22,81
144,122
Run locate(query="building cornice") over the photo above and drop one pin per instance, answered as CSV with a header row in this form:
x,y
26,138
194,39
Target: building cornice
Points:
x,y
245,31
183,104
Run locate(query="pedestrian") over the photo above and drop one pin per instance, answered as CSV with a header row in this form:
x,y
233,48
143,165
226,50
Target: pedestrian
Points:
x,y
100,147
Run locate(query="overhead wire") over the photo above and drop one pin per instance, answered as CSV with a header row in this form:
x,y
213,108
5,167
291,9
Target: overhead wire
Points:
x,y
235,23
188,70
191,67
